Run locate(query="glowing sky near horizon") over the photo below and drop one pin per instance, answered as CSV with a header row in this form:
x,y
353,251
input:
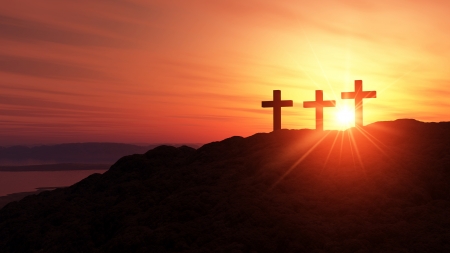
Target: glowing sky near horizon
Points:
x,y
197,70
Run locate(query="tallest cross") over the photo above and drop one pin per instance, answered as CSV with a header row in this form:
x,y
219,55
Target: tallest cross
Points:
x,y
358,95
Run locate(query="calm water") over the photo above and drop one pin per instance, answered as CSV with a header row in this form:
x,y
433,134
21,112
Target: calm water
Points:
x,y
27,181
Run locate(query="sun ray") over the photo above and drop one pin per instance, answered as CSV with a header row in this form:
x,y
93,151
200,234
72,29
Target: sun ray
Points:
x,y
370,137
351,147
354,144
405,74
347,64
320,64
304,71
331,150
297,162
342,146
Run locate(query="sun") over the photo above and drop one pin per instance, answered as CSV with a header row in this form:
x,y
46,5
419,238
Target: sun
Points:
x,y
345,117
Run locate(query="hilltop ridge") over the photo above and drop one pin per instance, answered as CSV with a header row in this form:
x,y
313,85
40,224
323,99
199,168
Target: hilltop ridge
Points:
x,y
386,187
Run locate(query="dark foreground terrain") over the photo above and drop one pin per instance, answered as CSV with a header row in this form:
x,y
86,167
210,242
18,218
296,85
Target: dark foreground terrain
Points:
x,y
385,188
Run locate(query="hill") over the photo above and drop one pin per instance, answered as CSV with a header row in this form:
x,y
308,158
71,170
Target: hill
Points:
x,y
4,200
385,188
100,153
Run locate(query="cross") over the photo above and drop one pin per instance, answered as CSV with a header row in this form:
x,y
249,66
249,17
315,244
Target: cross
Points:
x,y
358,95
277,103
319,104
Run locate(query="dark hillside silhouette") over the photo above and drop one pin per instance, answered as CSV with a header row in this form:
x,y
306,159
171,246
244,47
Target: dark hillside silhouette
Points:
x,y
385,189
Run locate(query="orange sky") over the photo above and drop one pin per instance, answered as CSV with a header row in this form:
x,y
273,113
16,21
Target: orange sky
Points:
x,y
197,70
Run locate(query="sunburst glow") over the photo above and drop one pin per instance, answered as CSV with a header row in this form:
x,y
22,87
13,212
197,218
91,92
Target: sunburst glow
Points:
x,y
345,117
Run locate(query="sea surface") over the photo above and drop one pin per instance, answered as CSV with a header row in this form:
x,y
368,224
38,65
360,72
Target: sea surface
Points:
x,y
29,181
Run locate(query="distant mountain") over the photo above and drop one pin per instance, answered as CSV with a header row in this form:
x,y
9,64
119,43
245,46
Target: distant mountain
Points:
x,y
385,188
105,153
19,195
57,167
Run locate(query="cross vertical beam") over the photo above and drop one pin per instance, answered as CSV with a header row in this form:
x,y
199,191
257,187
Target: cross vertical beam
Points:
x,y
277,103
358,95
319,104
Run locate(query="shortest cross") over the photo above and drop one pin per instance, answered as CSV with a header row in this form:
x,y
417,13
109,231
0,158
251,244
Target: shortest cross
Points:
x,y
277,103
319,104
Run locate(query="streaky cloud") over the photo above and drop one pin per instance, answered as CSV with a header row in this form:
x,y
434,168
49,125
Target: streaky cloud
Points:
x,y
47,68
27,30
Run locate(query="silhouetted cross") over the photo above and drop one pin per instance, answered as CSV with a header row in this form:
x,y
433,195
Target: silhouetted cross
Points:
x,y
358,95
319,104
277,103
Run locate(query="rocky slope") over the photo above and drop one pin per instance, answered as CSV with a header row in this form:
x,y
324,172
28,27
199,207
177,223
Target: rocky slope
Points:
x,y
385,188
